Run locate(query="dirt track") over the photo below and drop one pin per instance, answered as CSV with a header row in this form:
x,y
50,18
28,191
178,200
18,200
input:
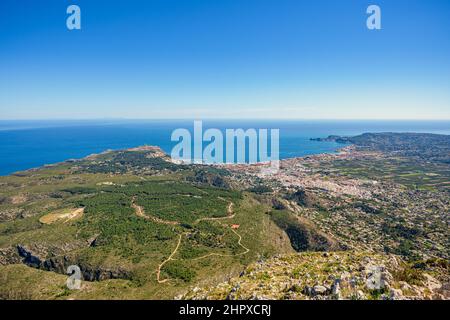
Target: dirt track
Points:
x,y
140,213
230,214
158,271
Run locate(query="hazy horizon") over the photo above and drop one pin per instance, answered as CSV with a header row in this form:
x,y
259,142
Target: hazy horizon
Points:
x,y
28,144
227,119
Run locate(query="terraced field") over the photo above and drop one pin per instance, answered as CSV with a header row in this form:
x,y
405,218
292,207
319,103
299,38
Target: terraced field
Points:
x,y
411,173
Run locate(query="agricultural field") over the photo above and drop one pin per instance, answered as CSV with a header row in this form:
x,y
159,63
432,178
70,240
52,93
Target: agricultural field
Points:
x,y
412,173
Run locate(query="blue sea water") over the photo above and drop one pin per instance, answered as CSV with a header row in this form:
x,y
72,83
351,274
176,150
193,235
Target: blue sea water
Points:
x,y
29,144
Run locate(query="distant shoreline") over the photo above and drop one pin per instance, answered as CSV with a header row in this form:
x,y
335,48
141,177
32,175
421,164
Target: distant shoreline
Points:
x,y
367,141
27,148
144,147
11,125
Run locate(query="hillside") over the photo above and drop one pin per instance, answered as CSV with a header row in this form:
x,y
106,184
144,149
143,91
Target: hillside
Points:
x,y
142,227
329,276
131,219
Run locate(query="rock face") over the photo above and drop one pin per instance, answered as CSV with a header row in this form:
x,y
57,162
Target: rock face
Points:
x,y
336,289
29,258
9,256
320,276
90,273
60,264
320,290
396,294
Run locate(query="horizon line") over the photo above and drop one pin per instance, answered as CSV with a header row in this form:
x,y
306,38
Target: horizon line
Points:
x,y
226,119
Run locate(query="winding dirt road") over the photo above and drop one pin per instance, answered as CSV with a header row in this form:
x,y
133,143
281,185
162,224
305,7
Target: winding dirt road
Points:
x,y
158,271
230,214
247,250
140,213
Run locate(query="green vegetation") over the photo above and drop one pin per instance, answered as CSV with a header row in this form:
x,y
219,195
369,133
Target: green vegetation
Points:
x,y
125,161
303,236
177,270
111,215
118,246
409,275
17,226
412,173
147,228
261,189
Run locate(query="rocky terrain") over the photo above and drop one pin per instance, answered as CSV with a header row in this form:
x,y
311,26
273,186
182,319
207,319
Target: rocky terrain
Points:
x,y
329,276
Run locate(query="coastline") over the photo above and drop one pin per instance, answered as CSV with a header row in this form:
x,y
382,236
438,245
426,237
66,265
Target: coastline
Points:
x,y
347,144
163,154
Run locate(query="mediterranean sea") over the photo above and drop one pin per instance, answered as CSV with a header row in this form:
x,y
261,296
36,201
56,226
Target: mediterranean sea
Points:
x,y
30,144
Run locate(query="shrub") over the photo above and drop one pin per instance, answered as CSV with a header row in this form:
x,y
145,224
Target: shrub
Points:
x,y
176,269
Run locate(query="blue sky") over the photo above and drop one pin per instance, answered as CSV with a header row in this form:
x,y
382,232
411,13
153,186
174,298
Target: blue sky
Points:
x,y
225,59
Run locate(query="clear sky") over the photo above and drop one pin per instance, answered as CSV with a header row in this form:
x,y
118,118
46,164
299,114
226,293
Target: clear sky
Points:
x,y
306,59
